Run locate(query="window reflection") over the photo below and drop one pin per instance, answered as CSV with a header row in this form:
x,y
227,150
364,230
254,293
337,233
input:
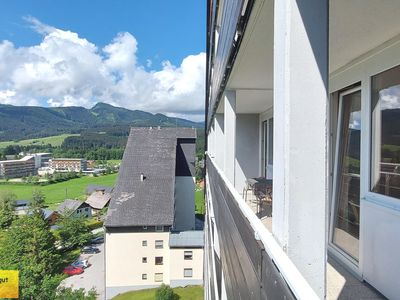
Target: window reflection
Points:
x,y
347,212
385,135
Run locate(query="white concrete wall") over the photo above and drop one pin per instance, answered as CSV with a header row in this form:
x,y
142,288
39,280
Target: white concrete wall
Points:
x,y
300,135
247,149
219,137
179,264
184,203
123,259
230,134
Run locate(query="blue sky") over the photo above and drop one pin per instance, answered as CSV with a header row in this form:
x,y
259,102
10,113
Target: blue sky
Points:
x,y
165,29
138,54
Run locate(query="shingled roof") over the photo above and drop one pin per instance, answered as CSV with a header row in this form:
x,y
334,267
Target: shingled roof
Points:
x,y
151,152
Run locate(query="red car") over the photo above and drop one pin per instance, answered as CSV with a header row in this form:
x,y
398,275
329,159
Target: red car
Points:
x,y
70,270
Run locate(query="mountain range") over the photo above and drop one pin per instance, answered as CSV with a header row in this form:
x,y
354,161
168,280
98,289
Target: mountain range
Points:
x,y
25,122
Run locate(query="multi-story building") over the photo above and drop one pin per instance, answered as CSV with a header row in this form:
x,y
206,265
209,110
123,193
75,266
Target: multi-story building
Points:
x,y
41,159
150,226
303,164
67,164
17,168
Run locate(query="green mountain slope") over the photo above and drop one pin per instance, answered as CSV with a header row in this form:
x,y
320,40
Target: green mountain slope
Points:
x,y
24,122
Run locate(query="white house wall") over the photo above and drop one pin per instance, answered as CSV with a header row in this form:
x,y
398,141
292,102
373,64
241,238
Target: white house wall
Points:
x,y
247,149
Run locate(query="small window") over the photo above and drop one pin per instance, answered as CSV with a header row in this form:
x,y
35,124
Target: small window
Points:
x,y
144,227
158,277
187,272
159,260
188,255
144,260
144,243
86,209
144,276
160,228
159,244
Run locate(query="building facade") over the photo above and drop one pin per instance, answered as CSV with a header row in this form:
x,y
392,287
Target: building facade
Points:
x,y
150,235
17,168
303,165
68,164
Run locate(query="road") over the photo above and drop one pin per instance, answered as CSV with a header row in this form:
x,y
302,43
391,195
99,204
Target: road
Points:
x,y
93,275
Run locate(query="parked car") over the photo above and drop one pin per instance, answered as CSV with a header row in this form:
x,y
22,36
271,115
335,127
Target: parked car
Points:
x,y
98,240
80,263
90,250
70,270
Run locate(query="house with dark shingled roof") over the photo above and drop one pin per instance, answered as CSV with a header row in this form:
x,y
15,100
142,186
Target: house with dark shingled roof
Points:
x,y
150,234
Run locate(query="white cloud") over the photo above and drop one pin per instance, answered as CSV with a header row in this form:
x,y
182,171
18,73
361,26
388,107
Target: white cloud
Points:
x,y
66,69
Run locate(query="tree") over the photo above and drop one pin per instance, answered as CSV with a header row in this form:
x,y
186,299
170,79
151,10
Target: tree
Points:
x,y
73,231
164,292
38,199
28,246
64,293
7,202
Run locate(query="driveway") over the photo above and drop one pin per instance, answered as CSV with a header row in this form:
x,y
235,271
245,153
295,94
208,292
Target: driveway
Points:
x,y
93,275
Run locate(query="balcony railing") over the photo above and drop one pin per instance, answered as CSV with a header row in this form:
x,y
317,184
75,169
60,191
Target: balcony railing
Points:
x,y
254,265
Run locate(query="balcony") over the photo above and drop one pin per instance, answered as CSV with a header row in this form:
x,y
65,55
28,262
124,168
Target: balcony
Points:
x,y
255,265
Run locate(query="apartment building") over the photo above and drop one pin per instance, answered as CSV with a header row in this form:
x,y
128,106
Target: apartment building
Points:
x,y
17,167
303,154
150,234
68,164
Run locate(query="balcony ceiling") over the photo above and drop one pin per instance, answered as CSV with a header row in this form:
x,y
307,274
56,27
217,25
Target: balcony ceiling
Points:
x,y
356,27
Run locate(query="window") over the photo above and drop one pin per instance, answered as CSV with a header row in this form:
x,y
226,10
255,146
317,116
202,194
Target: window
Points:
x,y
188,255
160,228
267,145
144,243
385,133
187,272
144,260
159,244
159,260
346,226
144,276
158,277
144,227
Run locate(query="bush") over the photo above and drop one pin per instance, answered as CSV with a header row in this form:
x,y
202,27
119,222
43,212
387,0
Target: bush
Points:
x,y
165,292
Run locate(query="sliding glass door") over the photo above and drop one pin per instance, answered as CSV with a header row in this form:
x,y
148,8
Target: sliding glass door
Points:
x,y
346,206
267,158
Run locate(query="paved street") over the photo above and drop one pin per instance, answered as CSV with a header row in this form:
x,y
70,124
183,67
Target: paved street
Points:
x,y
92,277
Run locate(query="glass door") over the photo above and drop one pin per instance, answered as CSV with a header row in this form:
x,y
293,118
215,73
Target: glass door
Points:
x,y
346,205
268,133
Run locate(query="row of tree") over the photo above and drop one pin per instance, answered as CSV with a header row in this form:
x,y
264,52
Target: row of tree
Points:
x,y
29,246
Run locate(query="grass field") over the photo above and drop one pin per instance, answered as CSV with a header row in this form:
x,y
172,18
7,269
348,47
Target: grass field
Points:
x,y
57,192
55,141
199,202
194,292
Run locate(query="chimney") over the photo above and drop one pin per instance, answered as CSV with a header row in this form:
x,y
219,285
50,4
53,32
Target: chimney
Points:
x,y
141,177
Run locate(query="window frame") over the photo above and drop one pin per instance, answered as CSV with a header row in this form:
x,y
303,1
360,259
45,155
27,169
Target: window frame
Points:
x,y
191,272
158,280
186,256
158,246
334,202
160,258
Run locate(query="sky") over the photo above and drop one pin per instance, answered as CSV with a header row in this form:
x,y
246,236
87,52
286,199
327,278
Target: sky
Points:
x,y
147,55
